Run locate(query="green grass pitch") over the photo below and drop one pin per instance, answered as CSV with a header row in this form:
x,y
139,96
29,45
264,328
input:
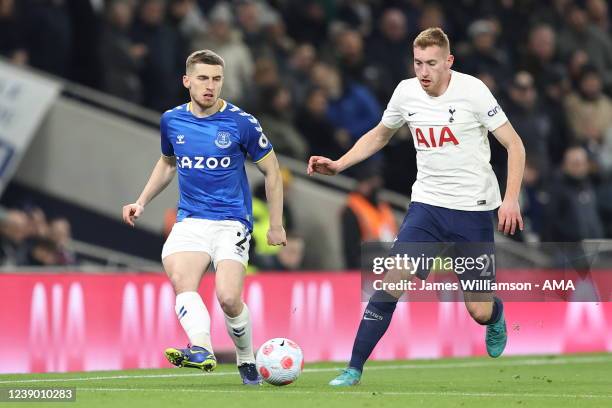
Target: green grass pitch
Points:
x,y
533,381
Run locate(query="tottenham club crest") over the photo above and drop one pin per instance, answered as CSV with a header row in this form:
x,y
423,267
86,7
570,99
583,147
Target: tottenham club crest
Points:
x,y
223,140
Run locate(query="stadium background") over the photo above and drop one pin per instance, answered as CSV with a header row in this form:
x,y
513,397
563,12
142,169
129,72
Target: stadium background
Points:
x,y
82,85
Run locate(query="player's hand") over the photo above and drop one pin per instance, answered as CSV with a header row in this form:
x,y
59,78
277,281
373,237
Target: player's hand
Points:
x,y
277,236
131,212
322,165
509,216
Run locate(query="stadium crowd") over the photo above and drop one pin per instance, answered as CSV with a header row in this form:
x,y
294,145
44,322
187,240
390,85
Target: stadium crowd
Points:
x,y
28,237
318,74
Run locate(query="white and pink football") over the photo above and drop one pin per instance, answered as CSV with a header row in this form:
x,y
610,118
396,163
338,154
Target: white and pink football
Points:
x,y
280,361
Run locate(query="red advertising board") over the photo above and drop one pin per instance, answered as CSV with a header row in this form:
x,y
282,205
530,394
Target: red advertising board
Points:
x,y
83,322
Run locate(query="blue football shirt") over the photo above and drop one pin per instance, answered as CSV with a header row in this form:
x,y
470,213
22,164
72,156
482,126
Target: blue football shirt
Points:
x,y
210,154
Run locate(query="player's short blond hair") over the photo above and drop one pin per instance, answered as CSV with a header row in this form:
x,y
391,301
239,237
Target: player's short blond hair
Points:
x,y
207,57
433,36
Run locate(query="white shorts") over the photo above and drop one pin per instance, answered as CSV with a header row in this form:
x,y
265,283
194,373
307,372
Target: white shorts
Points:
x,y
220,239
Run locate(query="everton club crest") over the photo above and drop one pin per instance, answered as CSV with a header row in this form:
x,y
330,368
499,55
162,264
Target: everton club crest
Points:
x,y
223,140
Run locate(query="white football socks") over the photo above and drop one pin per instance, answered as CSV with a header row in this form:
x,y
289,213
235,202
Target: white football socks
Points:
x,y
239,329
194,318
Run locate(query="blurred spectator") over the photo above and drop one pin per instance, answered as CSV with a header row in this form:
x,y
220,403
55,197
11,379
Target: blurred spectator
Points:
x,y
266,73
60,232
14,231
248,21
164,63
552,13
86,17
556,87
599,14
514,18
43,252
12,44
365,217
529,120
322,136
278,44
485,55
572,213
276,120
351,107
578,60
589,111
356,67
604,190
533,199
39,227
265,76
121,58
186,17
49,36
226,42
604,158
351,58
391,48
579,33
307,22
432,15
540,54
297,75
356,14
251,18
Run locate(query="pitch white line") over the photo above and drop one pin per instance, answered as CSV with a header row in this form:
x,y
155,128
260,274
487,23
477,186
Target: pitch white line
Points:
x,y
467,364
357,393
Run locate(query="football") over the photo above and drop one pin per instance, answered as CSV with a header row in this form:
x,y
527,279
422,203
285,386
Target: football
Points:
x,y
280,361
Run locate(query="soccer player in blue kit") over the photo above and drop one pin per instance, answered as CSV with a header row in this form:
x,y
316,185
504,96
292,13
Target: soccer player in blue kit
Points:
x,y
456,191
207,141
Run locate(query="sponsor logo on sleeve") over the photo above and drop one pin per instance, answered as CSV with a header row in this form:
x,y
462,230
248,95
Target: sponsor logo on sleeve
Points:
x,y
494,111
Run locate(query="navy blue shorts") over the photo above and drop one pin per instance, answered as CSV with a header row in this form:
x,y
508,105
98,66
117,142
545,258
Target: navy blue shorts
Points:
x,y
446,232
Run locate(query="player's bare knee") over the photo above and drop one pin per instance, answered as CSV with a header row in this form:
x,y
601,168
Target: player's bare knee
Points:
x,y
230,304
180,282
181,286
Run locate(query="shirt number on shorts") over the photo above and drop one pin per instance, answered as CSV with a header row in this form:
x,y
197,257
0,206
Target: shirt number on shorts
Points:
x,y
240,244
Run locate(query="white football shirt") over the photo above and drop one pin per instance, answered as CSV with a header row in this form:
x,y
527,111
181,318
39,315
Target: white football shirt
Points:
x,y
450,137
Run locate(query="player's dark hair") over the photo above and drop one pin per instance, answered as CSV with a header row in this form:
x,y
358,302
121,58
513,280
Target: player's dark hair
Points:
x,y
433,36
207,57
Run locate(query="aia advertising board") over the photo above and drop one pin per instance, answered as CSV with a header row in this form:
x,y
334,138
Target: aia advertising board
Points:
x,y
84,322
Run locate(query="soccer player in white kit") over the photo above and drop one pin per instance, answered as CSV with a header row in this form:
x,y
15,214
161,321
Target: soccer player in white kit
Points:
x,y
207,141
455,193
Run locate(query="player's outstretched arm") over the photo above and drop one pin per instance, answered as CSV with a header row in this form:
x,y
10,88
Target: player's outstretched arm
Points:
x,y
509,214
161,176
366,146
274,194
